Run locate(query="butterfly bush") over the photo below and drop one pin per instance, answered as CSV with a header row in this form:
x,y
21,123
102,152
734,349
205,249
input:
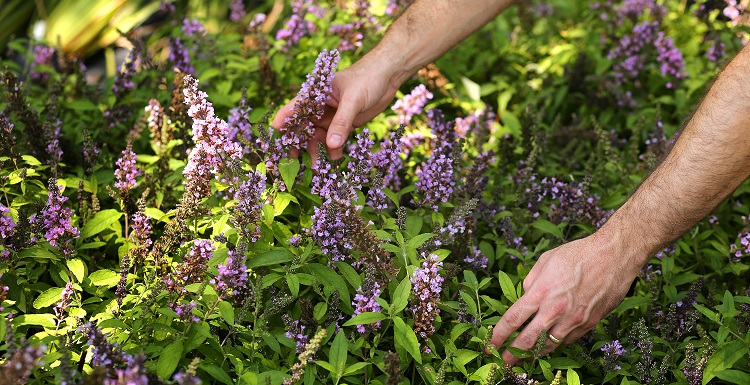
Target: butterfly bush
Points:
x,y
232,275
43,56
297,27
237,10
179,56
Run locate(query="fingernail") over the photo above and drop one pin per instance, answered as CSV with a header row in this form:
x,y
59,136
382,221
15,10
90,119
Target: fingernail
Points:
x,y
336,140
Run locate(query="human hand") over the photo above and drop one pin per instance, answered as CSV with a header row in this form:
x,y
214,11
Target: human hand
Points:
x,y
567,292
360,92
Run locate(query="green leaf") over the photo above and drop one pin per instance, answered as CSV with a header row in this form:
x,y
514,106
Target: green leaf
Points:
x,y
289,168
100,222
337,354
632,302
328,277
325,365
419,240
77,268
405,337
548,227
270,257
724,358
573,378
365,318
353,368
104,277
293,282
48,298
472,89
349,274
509,290
169,359
400,297
226,311
37,252
460,329
734,377
216,372
281,201
30,160
46,321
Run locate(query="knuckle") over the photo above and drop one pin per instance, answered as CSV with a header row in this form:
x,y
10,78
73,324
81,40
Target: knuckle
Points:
x,y
524,341
579,317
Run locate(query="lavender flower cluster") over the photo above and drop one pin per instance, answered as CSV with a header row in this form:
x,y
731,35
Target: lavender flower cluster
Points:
x,y
612,353
435,179
427,284
7,230
43,56
213,151
192,268
232,276
297,27
412,104
247,212
365,301
310,102
126,170
56,220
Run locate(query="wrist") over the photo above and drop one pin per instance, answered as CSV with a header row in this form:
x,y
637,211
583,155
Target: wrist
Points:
x,y
625,244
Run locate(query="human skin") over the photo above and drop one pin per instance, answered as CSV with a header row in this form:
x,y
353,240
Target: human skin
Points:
x,y
572,287
423,33
575,285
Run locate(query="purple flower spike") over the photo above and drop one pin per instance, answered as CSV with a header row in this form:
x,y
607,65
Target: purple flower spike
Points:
x,y
232,275
364,301
127,170
59,232
412,104
237,10
311,99
427,284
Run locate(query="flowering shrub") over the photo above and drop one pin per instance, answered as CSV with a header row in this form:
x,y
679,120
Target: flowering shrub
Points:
x,y
154,229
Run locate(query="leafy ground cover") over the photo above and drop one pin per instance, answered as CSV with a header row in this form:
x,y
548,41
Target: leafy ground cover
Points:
x,y
156,230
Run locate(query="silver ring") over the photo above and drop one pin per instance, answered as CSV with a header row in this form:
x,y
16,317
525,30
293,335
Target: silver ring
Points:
x,y
552,338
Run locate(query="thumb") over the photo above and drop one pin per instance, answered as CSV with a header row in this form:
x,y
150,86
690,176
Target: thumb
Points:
x,y
341,125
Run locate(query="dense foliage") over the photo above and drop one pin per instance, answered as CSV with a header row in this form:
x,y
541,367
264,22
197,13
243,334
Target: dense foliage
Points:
x,y
154,229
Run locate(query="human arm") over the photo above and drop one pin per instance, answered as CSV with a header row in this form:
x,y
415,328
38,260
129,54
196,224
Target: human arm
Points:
x,y
426,30
575,285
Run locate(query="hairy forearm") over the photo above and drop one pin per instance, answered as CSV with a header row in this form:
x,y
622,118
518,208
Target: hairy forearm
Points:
x,y
427,30
708,162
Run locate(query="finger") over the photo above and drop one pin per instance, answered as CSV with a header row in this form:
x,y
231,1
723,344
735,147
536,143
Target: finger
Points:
x,y
341,126
512,320
283,113
527,339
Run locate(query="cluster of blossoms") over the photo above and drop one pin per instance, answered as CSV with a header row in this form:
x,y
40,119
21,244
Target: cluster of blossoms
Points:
x,y
43,56
237,10
184,311
311,99
435,177
65,298
56,220
717,50
635,8
365,301
192,268
412,104
247,212
329,229
127,170
232,275
213,151
239,123
297,27
571,202
670,58
193,28
734,11
52,133
388,160
7,139
179,55
121,367
124,78
140,234
427,285
90,152
742,247
693,369
612,353
511,240
155,121
296,331
351,34
682,316
476,259
629,53
20,364
7,230
3,294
